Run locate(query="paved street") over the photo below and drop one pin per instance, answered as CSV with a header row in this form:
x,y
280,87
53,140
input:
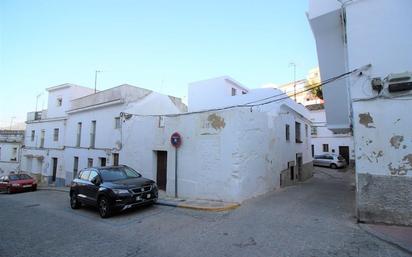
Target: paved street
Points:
x,y
315,218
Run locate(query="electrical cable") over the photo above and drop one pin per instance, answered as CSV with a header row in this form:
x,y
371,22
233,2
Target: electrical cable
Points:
x,y
249,104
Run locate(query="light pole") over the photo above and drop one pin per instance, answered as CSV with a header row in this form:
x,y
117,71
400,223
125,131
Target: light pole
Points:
x,y
11,121
95,80
37,99
292,64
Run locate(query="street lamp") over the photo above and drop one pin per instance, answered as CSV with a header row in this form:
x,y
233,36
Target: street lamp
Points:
x,y
292,64
95,80
37,99
11,121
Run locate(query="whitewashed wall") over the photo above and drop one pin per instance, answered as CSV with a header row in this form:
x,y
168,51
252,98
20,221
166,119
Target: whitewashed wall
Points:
x,y
229,155
326,136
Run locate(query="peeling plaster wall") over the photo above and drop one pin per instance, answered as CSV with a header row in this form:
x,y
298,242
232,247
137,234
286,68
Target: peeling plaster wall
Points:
x,y
383,140
381,126
228,155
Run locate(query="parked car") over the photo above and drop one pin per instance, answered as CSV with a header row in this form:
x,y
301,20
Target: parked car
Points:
x,y
17,182
112,188
330,160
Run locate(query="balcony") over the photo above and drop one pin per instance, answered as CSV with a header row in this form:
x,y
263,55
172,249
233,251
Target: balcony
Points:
x,y
34,116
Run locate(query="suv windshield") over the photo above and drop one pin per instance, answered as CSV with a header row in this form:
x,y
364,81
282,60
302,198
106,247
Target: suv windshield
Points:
x,y
118,173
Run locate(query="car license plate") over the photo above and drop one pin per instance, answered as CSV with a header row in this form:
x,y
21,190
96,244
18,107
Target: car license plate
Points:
x,y
138,198
26,185
148,196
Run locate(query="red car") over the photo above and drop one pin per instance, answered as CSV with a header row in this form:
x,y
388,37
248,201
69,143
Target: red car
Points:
x,y
17,182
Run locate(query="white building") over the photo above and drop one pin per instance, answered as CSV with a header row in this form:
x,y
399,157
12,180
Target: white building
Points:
x,y
10,147
81,128
324,140
228,154
374,100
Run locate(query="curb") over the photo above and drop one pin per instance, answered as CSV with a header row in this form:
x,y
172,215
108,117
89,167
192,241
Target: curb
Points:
x,y
54,189
212,209
405,247
196,207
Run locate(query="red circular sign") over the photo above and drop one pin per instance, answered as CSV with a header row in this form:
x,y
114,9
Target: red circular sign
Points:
x,y
176,140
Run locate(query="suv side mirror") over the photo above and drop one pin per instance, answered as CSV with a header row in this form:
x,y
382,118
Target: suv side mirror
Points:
x,y
96,180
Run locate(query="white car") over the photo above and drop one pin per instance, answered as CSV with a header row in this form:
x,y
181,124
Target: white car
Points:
x,y
329,160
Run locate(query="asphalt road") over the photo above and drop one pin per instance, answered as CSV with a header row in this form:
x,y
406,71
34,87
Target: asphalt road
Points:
x,y
314,218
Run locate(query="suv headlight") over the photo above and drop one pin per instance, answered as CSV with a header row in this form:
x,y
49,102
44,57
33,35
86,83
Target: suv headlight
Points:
x,y
120,191
154,186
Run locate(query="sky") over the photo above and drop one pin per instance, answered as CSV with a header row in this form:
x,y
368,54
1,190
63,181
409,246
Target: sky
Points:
x,y
161,45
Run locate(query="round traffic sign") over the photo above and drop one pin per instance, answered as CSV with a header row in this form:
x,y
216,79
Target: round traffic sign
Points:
x,y
176,140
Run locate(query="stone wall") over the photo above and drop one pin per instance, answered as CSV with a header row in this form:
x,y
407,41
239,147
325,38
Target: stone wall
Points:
x,y
384,199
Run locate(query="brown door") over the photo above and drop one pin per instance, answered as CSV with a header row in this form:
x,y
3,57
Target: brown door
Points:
x,y
161,169
299,164
344,151
54,169
115,159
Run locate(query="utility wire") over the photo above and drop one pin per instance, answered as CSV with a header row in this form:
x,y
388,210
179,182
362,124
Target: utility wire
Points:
x,y
253,103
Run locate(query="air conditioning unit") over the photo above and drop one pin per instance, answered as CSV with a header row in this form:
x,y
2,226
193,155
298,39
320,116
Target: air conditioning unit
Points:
x,y
398,82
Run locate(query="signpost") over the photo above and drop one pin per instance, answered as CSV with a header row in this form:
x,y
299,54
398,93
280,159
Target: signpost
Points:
x,y
176,141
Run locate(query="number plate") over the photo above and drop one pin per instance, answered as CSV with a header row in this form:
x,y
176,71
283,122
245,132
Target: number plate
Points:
x,y
138,198
148,196
26,185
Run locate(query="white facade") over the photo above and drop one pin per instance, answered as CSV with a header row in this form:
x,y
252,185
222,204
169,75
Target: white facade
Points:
x,y
10,148
52,160
213,93
376,33
228,155
325,141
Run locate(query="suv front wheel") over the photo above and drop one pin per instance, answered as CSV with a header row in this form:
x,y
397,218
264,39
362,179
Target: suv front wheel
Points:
x,y
105,209
74,203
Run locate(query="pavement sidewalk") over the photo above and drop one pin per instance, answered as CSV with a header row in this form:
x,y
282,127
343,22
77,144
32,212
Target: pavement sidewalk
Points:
x,y
400,236
202,205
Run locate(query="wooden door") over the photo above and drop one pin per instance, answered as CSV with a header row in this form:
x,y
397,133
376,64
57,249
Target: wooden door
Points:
x,y
344,151
54,160
161,169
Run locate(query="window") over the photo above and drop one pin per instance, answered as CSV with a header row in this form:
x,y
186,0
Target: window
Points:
x,y
116,159
93,134
306,130
313,130
233,91
161,122
85,174
325,148
89,162
287,132
56,134
43,132
0,153
102,162
92,175
33,134
59,101
313,151
244,93
14,154
298,137
117,123
79,134
75,166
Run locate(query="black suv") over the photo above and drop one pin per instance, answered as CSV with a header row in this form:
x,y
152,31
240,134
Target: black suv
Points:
x,y
112,188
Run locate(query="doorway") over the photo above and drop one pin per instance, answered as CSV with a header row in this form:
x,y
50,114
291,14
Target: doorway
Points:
x,y
161,177
299,163
344,151
54,161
